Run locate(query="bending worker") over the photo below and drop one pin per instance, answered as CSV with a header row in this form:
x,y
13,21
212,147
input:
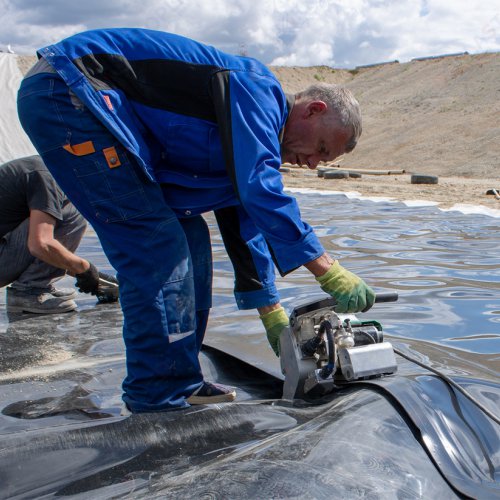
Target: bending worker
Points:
x,y
145,131
39,231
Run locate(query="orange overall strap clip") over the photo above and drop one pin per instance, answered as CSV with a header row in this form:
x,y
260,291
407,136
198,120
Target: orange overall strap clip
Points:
x,y
82,149
112,158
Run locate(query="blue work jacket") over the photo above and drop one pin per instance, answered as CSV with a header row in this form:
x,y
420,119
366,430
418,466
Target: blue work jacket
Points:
x,y
207,126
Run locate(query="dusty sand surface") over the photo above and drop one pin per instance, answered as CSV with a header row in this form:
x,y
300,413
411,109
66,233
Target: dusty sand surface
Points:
x,y
448,192
436,117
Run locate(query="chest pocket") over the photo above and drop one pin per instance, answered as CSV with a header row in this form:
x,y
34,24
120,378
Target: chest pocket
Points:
x,y
195,150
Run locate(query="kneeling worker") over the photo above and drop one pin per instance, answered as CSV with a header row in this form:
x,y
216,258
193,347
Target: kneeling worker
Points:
x,y
39,231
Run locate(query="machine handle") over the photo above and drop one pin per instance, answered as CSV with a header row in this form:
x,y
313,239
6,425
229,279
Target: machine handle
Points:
x,y
386,297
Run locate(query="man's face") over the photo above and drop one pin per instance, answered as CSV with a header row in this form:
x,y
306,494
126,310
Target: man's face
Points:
x,y
307,141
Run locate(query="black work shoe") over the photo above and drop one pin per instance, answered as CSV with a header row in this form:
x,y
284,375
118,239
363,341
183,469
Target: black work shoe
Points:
x,y
212,393
39,303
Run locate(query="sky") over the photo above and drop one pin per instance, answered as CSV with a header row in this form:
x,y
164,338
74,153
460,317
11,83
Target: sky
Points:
x,y
336,33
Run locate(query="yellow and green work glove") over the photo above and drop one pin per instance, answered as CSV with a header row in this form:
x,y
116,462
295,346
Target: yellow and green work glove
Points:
x,y
274,322
351,293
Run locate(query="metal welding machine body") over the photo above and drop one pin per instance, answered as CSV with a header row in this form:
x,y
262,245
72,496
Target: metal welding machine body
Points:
x,y
321,349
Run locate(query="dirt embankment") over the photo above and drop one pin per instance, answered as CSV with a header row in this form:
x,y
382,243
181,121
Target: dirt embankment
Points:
x,y
438,117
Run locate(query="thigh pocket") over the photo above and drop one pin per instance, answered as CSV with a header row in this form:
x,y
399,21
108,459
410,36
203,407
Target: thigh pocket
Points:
x,y
115,194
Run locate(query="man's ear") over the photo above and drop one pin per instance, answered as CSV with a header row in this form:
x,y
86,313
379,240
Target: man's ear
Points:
x,y
315,107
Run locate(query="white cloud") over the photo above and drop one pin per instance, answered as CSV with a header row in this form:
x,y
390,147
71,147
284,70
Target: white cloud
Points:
x,y
300,32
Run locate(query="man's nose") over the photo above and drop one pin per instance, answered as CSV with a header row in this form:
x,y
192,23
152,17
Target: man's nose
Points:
x,y
312,161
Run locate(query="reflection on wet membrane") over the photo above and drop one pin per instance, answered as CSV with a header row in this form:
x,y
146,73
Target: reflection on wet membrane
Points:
x,y
479,337
60,377
272,451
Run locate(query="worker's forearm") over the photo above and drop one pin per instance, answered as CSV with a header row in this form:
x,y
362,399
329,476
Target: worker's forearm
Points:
x,y
320,265
268,309
55,254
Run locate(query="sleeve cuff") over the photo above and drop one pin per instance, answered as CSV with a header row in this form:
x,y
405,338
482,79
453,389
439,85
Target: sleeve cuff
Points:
x,y
257,298
291,257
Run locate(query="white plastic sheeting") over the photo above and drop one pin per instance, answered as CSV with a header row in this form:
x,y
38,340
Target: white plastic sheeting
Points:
x,y
14,143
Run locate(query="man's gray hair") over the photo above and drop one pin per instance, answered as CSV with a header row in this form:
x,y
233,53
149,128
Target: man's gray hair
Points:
x,y
342,103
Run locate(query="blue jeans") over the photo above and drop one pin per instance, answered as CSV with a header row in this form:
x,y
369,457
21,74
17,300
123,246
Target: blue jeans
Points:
x,y
164,264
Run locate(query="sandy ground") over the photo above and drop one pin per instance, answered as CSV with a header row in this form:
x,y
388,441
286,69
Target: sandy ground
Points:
x,y
435,117
449,191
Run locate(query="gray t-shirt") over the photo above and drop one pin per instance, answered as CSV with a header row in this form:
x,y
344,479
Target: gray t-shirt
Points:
x,y
26,184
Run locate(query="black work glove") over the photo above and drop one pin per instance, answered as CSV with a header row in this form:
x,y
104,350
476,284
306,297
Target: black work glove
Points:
x,y
103,286
88,281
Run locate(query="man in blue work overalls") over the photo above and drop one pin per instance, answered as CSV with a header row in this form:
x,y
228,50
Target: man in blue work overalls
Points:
x,y
145,131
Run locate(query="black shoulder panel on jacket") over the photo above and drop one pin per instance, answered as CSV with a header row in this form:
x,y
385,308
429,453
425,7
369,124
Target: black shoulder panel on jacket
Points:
x,y
172,85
